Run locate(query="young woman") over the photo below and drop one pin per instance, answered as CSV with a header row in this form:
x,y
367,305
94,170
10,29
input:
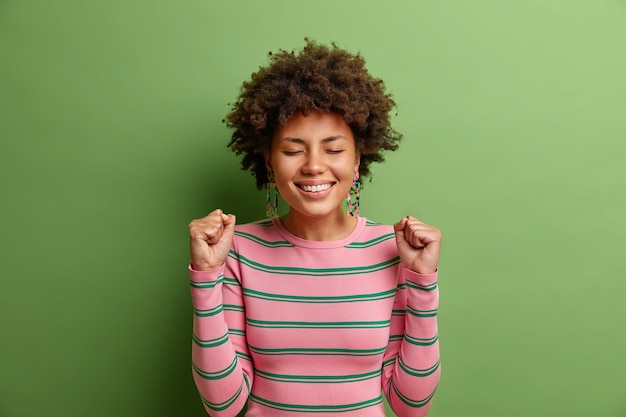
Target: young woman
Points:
x,y
315,312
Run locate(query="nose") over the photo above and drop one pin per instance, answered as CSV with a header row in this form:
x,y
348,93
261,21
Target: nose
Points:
x,y
314,163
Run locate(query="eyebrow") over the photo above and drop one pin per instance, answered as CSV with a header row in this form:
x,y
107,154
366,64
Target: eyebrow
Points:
x,y
301,141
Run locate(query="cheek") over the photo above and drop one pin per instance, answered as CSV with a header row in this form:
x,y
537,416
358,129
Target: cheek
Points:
x,y
352,164
345,172
283,172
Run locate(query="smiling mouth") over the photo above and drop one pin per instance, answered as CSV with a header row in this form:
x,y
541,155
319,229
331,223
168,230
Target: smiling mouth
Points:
x,y
315,188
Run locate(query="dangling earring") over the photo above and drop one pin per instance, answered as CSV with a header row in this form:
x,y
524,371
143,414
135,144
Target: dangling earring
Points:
x,y
352,208
271,204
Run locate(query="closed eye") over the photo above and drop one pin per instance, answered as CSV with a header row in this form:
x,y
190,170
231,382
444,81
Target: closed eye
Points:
x,y
334,151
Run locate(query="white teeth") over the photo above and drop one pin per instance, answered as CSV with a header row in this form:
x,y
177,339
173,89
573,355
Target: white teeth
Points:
x,y
316,188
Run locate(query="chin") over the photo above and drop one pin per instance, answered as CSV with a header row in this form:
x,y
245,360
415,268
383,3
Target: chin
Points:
x,y
317,213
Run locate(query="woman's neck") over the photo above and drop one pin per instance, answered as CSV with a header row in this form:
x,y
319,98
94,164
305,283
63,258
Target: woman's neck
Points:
x,y
333,227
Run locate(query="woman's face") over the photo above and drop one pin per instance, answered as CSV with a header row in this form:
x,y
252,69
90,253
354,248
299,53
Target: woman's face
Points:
x,y
314,159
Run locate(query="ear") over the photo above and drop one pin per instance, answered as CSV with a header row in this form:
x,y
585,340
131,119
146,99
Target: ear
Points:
x,y
268,163
357,161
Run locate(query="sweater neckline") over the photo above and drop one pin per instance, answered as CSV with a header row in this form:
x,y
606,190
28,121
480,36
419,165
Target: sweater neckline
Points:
x,y
319,244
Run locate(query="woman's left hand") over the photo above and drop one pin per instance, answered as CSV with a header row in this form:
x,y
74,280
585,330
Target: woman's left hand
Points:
x,y
418,245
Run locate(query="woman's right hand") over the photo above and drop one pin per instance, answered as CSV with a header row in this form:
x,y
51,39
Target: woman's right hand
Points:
x,y
210,239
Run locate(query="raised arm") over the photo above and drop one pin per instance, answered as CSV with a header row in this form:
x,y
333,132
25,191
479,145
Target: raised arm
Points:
x,y
222,369
411,364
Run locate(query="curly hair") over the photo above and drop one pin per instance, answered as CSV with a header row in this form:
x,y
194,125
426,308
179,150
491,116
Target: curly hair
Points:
x,y
315,79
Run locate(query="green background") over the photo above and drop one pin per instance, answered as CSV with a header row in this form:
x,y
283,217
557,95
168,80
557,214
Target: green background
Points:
x,y
514,116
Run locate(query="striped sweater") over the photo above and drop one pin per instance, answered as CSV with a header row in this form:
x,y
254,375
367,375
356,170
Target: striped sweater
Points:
x,y
318,328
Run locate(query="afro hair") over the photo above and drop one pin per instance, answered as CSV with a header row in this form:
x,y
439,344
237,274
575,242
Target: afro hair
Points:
x,y
316,78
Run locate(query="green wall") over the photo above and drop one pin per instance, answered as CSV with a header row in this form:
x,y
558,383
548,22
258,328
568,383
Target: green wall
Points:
x,y
514,115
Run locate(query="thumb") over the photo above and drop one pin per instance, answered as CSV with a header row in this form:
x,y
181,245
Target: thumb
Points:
x,y
229,221
399,229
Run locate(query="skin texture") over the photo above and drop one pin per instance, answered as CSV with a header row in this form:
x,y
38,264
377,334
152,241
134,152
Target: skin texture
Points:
x,y
210,239
314,149
318,149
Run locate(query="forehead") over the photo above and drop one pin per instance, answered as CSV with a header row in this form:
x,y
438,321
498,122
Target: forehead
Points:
x,y
315,126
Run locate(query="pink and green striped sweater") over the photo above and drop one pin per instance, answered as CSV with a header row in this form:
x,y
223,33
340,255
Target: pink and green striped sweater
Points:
x,y
314,328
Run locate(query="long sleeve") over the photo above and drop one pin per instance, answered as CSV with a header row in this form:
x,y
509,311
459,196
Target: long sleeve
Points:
x,y
312,323
411,363
222,368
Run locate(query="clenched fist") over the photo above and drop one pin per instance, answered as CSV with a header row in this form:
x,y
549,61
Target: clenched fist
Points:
x,y
210,239
418,244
